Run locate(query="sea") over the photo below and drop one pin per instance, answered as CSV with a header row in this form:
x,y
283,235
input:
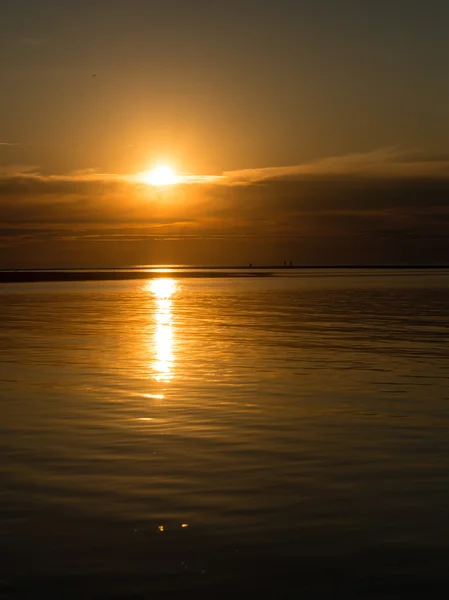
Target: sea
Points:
x,y
225,433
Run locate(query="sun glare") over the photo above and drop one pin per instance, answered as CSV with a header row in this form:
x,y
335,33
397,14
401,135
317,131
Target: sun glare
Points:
x,y
162,175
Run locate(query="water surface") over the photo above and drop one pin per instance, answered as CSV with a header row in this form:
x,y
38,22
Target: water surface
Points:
x,y
283,434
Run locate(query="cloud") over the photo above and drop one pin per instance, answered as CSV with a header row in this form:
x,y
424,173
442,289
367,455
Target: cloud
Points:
x,y
382,163
385,204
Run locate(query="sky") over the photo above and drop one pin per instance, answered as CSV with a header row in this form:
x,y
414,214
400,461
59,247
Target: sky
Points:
x,y
313,131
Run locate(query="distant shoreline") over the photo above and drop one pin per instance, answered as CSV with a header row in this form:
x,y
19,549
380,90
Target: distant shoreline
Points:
x,y
53,276
130,273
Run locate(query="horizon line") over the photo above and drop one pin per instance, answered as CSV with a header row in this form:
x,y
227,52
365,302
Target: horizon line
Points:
x,y
249,266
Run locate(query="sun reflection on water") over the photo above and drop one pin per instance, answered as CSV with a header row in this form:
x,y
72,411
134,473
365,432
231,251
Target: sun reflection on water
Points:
x,y
163,290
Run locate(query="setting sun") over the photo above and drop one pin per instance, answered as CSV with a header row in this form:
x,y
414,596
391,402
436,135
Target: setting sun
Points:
x,y
161,175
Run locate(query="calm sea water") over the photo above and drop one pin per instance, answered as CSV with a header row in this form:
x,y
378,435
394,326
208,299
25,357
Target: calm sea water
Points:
x,y
207,437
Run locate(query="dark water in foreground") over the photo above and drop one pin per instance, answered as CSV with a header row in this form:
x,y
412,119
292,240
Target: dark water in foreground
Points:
x,y
287,436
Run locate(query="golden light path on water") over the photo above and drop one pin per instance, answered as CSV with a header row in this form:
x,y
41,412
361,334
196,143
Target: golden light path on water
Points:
x,y
163,290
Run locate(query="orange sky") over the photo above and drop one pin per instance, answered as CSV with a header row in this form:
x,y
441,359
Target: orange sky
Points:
x,y
302,131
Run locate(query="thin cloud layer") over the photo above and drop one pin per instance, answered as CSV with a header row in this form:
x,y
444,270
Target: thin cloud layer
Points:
x,y
384,162
382,206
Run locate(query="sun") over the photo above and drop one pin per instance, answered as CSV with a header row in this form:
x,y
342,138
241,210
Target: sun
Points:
x,y
161,175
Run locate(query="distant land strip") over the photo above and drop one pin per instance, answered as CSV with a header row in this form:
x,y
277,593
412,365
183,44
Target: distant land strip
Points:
x,y
50,276
54,275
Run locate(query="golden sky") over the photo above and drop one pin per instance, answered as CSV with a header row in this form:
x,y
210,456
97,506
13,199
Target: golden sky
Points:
x,y
313,131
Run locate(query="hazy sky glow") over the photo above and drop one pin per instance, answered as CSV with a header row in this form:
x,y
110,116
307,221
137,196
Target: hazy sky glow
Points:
x,y
316,131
